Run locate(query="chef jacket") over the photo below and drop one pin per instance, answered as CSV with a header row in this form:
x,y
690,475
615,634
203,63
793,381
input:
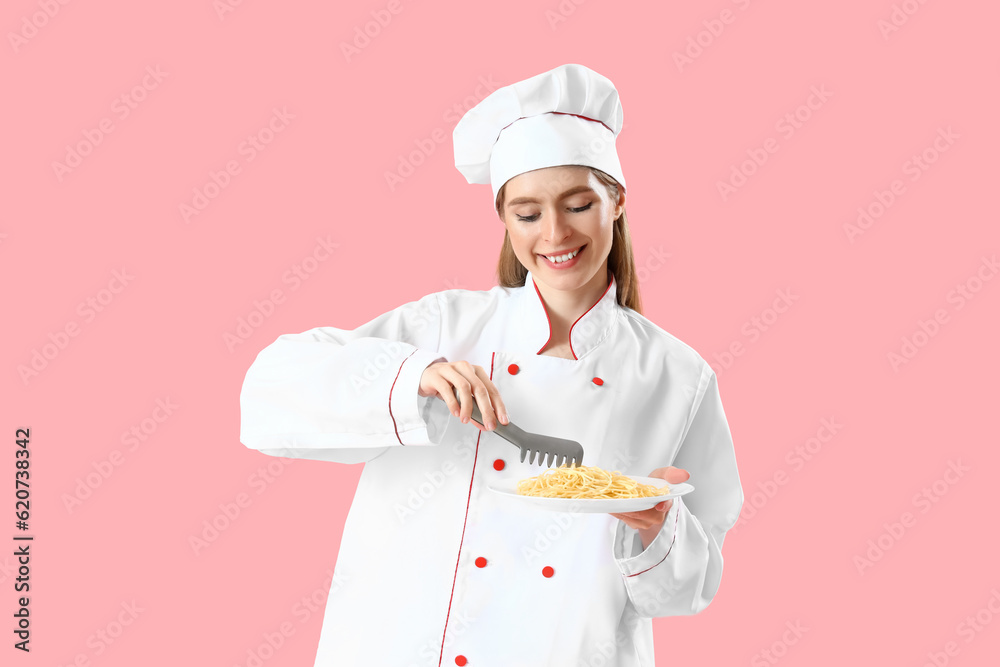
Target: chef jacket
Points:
x,y
435,568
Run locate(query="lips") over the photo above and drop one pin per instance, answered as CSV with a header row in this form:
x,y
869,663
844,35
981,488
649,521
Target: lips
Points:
x,y
564,265
561,253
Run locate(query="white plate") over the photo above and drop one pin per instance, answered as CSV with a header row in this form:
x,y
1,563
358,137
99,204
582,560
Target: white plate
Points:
x,y
593,505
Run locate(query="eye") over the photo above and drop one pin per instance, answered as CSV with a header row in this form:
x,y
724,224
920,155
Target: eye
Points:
x,y
532,218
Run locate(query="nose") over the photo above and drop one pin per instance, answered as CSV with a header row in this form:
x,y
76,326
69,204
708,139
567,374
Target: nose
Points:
x,y
555,226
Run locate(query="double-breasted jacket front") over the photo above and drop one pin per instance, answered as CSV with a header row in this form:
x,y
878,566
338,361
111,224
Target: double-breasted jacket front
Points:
x,y
435,568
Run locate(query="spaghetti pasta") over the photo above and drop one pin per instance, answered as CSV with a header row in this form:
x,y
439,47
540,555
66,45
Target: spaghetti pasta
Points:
x,y
586,482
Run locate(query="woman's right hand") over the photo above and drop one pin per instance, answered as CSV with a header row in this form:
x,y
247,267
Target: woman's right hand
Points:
x,y
444,378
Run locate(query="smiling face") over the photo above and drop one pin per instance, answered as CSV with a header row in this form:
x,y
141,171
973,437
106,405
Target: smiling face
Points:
x,y
560,221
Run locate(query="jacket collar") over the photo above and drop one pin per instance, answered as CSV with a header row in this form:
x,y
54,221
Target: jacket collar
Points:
x,y
590,329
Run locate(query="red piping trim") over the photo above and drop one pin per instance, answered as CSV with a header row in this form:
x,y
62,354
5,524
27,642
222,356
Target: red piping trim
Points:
x,y
464,522
544,310
561,113
676,517
564,113
390,397
581,317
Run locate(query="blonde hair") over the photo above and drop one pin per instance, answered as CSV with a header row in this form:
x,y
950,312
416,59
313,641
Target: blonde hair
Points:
x,y
621,261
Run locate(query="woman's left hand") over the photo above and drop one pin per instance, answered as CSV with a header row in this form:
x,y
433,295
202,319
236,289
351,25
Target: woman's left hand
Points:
x,y
648,522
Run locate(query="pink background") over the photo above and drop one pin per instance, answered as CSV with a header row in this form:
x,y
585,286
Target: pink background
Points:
x,y
795,558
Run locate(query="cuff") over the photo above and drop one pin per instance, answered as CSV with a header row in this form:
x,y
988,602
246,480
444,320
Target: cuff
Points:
x,y
435,415
406,412
627,546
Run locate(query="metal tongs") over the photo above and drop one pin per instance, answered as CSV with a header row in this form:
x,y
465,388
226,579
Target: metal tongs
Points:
x,y
547,448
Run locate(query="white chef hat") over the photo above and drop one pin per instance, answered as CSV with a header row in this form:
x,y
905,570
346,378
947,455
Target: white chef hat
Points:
x,y
569,115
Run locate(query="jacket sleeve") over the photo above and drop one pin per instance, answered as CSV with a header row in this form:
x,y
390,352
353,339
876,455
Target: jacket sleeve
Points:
x,y
680,571
346,395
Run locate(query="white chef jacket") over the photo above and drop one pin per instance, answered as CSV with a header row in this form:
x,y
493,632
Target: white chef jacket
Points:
x,y
435,568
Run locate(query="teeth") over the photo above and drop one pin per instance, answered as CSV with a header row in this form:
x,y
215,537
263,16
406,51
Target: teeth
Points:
x,y
557,259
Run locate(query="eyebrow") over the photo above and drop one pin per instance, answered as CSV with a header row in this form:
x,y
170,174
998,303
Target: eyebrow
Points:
x,y
532,200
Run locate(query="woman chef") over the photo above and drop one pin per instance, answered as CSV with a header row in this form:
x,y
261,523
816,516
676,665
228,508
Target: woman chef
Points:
x,y
436,569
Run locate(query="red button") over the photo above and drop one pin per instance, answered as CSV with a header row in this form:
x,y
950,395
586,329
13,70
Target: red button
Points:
x,y
480,562
499,464
547,571
513,369
598,381
460,660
